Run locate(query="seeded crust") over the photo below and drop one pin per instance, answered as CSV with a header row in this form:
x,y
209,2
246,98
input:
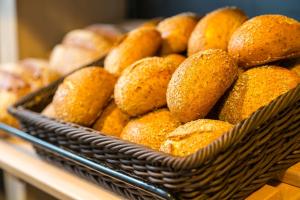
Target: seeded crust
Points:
x,y
194,135
151,129
112,120
264,39
139,43
255,88
215,29
82,95
142,86
199,82
175,32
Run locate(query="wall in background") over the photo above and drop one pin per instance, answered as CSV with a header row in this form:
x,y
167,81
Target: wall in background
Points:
x,y
163,8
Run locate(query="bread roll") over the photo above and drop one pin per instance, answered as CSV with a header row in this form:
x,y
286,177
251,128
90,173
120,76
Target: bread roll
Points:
x,y
151,129
175,32
264,39
138,44
255,88
65,59
199,82
194,135
111,32
49,111
142,86
12,87
112,120
82,95
215,29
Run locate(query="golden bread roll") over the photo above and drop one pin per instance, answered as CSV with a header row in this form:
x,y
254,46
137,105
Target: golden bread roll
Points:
x,y
194,135
199,82
12,88
112,120
65,59
139,43
83,94
142,86
49,111
175,32
151,129
264,39
255,88
111,32
215,29
87,39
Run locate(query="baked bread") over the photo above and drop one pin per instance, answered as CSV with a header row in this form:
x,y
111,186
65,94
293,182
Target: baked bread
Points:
x,y
264,39
113,33
194,135
255,88
142,86
83,94
215,29
151,129
139,43
175,32
199,82
111,121
49,111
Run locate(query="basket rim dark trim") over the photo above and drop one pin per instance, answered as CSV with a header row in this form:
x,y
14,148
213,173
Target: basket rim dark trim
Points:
x,y
179,163
97,167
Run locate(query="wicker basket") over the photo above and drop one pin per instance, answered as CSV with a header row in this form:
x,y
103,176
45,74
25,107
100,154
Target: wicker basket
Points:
x,y
256,150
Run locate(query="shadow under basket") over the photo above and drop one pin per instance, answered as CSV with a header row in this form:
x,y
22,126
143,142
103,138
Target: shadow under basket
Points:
x,y
255,151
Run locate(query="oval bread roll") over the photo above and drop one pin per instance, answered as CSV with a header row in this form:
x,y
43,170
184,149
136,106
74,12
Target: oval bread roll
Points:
x,y
264,39
199,82
255,88
194,135
82,95
175,32
139,43
215,29
111,121
142,86
151,129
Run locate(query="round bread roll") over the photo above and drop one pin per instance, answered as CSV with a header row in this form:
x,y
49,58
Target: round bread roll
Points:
x,y
113,33
87,39
194,135
199,82
111,121
151,129
12,88
65,59
139,43
175,32
215,29
264,39
255,88
142,86
49,111
82,95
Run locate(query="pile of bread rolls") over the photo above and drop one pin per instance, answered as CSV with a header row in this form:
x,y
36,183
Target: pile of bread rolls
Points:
x,y
79,47
178,85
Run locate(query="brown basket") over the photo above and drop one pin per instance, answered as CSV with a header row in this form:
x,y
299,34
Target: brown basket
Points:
x,y
256,150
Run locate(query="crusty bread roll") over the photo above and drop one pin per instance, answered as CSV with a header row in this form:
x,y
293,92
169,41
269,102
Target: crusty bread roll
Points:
x,y
82,95
199,82
12,87
194,135
111,32
175,32
215,29
142,86
139,43
264,39
151,129
255,88
112,120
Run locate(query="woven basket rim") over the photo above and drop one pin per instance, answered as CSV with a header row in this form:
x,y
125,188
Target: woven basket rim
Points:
x,y
142,152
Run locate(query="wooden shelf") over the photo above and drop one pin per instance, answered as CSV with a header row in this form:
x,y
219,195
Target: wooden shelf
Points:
x,y
19,159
